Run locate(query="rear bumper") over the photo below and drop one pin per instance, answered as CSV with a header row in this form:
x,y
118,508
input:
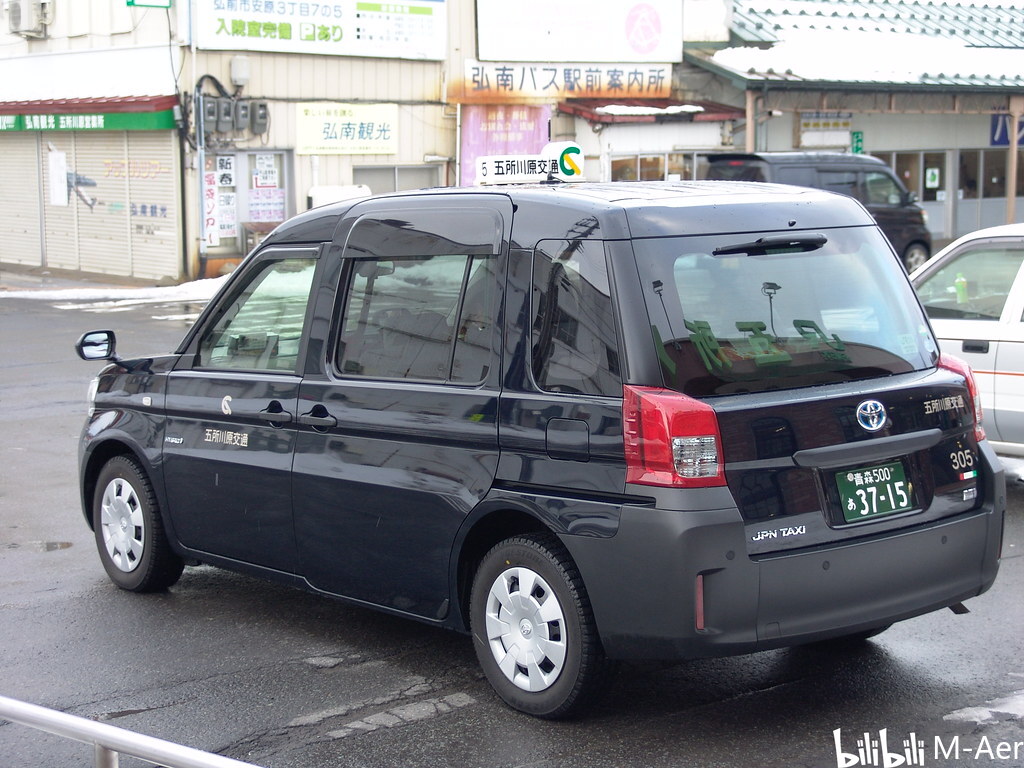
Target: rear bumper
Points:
x,y
643,581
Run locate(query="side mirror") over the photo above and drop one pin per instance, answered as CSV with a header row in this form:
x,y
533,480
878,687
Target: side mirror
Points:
x,y
96,345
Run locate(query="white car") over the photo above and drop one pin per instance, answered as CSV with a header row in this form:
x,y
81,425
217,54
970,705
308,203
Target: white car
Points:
x,y
973,292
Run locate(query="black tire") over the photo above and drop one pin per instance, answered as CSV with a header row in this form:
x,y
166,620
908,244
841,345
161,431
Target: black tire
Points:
x,y
915,255
129,531
566,666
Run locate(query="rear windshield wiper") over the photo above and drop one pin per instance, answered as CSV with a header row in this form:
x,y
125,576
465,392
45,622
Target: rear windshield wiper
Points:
x,y
769,246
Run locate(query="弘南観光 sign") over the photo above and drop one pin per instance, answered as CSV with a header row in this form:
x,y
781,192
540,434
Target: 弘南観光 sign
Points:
x,y
325,128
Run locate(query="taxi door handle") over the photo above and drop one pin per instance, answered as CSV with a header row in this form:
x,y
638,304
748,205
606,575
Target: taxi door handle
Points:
x,y
318,417
975,345
275,413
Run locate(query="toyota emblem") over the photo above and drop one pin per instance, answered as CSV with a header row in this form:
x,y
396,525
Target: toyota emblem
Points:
x,y
871,415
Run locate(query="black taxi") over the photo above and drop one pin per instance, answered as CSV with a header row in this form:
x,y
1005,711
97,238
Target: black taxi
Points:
x,y
580,422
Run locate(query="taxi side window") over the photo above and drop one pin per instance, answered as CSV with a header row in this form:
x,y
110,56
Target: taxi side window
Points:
x,y
261,328
574,339
974,285
422,308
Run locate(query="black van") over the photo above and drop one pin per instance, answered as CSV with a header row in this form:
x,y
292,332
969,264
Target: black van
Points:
x,y
582,422
862,177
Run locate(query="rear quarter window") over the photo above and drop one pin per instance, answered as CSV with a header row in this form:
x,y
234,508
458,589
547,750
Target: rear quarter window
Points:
x,y
574,342
798,176
738,170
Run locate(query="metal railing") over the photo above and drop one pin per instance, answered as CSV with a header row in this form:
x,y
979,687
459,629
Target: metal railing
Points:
x,y
110,741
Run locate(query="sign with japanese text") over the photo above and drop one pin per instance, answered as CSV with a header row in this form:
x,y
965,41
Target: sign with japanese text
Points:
x,y
497,129
560,160
545,83
999,131
644,31
413,29
326,128
113,121
211,208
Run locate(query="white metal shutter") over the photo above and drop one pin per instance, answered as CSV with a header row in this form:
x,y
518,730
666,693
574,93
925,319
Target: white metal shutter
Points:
x,y
101,163
154,204
20,230
60,222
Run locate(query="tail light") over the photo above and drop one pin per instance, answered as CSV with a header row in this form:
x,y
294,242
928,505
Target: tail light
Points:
x,y
670,439
958,366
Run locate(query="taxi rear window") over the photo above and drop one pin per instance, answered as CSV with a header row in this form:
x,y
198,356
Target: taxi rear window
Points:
x,y
728,317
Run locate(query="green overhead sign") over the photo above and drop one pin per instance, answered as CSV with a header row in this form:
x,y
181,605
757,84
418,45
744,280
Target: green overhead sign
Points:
x,y
100,121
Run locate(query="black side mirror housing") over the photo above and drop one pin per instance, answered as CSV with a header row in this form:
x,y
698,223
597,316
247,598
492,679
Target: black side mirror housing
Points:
x,y
97,345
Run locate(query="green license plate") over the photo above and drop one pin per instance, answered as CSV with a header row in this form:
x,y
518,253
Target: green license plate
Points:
x,y
873,492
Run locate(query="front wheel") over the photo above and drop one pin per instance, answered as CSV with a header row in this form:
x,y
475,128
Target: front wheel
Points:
x,y
915,255
533,628
129,532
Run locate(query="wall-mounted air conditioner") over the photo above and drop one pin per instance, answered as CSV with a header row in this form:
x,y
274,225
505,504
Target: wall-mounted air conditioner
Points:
x,y
28,17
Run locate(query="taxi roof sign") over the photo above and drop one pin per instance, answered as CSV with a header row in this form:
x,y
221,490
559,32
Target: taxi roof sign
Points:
x,y
561,160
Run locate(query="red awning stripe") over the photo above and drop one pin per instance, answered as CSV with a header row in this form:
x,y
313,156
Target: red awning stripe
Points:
x,y
80,106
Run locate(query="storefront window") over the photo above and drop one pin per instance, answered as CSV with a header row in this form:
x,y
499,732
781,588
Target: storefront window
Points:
x,y
908,169
395,178
970,169
680,167
652,167
994,170
671,166
934,177
624,168
245,197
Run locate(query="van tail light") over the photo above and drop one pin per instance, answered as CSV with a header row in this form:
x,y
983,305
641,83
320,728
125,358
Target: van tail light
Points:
x,y
956,365
670,439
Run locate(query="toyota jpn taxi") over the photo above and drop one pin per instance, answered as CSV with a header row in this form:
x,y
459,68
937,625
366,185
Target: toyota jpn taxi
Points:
x,y
580,422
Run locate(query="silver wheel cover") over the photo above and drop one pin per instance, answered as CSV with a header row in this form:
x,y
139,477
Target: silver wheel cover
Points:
x,y
526,629
916,256
122,525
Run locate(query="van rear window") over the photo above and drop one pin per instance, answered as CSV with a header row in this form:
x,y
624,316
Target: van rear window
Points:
x,y
738,170
756,319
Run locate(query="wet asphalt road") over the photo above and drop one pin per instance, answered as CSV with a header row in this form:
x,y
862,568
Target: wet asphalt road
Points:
x,y
285,679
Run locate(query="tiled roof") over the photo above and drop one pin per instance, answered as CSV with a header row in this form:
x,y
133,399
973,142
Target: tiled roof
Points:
x,y
986,26
876,42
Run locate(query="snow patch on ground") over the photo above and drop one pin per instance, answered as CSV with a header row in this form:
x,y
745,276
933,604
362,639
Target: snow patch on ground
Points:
x,y
114,297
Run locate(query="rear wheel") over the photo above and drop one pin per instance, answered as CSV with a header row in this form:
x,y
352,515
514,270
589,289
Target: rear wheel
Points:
x,y
129,532
533,628
915,255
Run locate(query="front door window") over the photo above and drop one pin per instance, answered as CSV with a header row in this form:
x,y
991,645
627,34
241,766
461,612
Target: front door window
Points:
x,y
262,328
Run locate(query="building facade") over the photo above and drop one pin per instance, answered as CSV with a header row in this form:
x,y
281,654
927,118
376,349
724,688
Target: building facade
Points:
x,y
161,139
187,130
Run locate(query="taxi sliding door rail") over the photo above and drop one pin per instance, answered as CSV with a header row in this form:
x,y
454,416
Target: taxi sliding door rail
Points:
x,y
110,741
